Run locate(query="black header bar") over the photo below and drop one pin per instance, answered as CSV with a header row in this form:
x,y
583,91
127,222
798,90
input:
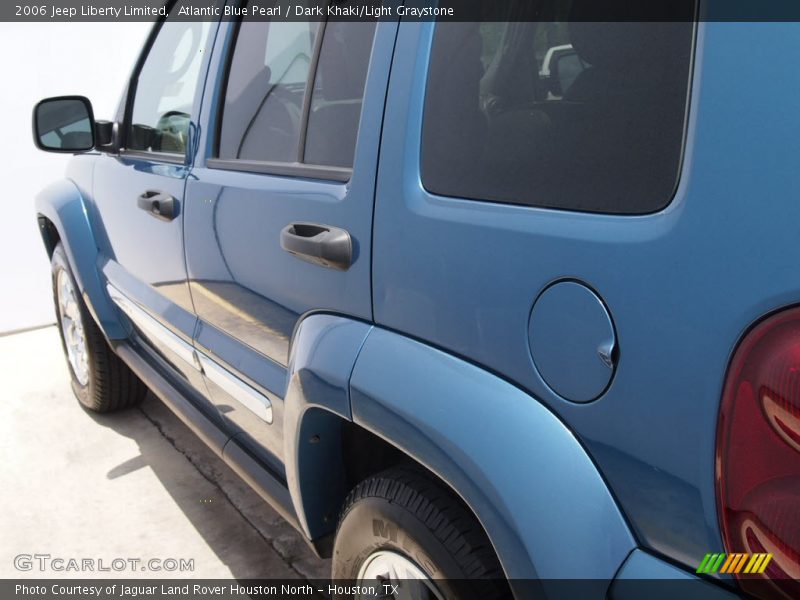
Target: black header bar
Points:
x,y
416,10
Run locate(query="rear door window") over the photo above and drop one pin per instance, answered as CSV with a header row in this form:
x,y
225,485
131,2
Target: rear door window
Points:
x,y
586,116
263,113
288,100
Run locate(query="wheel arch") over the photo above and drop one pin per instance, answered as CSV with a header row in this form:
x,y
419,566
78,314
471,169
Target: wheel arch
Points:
x,y
530,483
316,408
547,512
326,454
63,217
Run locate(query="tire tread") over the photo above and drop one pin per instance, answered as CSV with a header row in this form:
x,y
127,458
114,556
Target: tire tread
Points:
x,y
112,385
116,387
444,516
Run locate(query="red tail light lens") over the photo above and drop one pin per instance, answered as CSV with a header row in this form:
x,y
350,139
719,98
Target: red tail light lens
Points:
x,y
758,454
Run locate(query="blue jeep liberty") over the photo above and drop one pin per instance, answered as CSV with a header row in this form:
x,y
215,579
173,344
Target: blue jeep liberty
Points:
x,y
510,301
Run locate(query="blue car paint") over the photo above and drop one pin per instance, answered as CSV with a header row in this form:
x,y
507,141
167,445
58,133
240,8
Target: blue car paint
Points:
x,y
237,270
62,203
573,343
547,511
142,256
466,280
463,397
642,567
324,352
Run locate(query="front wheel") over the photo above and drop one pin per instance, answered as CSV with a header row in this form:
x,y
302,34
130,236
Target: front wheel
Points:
x,y
100,380
403,531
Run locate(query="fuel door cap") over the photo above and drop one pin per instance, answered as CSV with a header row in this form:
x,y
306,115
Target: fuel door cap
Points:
x,y
572,341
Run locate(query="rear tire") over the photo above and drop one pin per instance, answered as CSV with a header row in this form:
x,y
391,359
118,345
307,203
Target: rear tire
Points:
x,y
100,380
403,522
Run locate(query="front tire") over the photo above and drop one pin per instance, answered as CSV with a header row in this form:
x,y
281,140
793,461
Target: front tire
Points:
x,y
100,380
401,525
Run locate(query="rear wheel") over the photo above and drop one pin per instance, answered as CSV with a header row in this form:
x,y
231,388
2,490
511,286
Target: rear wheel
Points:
x,y
100,380
401,528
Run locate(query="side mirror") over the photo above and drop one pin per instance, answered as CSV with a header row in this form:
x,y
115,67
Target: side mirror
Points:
x,y
64,124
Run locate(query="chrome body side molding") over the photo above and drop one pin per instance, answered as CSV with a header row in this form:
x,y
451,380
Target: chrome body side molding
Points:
x,y
151,328
242,392
248,396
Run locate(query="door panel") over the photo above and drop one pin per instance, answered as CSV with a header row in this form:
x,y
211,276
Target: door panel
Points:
x,y
139,194
249,293
144,255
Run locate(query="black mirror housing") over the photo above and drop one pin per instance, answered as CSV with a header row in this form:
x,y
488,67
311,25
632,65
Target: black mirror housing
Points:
x,y
64,124
105,135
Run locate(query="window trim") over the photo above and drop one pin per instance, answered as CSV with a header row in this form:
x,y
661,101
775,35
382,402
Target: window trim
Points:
x,y
166,157
130,96
226,62
133,84
298,168
293,169
312,77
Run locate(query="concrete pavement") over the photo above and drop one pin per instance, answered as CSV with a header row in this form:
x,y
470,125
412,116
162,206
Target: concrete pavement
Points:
x,y
136,484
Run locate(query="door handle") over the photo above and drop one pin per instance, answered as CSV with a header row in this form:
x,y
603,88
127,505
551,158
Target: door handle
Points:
x,y
158,204
319,244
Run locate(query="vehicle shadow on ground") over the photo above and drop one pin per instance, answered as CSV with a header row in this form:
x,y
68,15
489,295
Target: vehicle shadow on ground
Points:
x,y
247,536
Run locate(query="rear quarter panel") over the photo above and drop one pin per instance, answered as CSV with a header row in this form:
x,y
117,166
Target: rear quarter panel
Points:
x,y
682,284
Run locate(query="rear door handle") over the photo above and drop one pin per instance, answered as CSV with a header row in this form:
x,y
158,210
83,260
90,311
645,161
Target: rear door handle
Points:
x,y
158,204
319,244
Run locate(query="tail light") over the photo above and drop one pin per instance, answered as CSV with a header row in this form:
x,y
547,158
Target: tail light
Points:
x,y
758,454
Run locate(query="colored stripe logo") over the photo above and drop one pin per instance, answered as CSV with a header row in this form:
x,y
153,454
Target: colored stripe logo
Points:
x,y
734,563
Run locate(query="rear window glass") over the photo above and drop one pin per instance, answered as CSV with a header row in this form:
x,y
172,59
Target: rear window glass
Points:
x,y
575,115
